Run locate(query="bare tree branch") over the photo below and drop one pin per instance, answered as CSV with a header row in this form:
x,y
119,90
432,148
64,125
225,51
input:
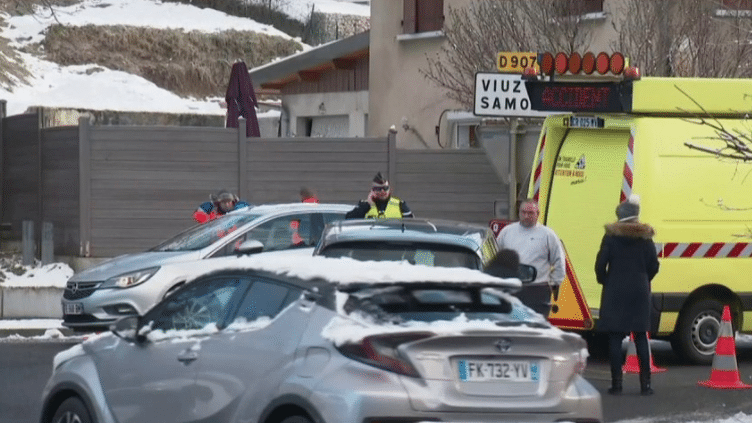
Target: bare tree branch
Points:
x,y
477,32
692,38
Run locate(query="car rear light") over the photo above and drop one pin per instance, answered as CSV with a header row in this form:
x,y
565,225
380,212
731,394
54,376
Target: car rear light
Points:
x,y
382,351
581,364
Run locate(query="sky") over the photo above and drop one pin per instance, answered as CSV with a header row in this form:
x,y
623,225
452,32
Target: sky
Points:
x,y
52,85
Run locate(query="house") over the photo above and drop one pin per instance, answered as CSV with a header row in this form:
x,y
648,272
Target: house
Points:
x,y
324,90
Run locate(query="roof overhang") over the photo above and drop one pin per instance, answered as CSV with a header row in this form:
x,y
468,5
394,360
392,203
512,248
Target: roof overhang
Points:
x,y
310,65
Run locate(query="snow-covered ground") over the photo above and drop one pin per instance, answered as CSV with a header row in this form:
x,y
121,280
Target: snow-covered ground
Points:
x,y
52,85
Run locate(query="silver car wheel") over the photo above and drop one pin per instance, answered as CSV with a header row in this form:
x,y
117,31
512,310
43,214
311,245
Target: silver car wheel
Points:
x,y
72,410
69,417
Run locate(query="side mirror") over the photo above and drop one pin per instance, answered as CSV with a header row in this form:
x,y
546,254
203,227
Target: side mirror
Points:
x,y
527,273
125,328
250,246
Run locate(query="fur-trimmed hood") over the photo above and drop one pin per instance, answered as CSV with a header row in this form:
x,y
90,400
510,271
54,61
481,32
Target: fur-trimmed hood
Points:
x,y
630,230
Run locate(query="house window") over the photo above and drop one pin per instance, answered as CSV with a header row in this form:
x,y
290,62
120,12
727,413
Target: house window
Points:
x,y
422,16
580,7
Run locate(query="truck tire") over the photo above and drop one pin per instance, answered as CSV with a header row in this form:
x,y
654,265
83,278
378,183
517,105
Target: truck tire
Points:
x,y
697,332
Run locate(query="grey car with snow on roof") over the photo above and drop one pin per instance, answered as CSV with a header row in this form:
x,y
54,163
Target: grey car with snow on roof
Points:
x,y
261,339
131,283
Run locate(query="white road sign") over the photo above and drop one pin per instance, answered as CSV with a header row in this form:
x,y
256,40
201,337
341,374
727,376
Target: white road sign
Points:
x,y
502,94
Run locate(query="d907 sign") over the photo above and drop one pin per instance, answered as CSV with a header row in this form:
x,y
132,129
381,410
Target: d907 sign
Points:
x,y
516,61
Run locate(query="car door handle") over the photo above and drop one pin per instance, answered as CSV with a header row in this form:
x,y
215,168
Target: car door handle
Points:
x,y
187,356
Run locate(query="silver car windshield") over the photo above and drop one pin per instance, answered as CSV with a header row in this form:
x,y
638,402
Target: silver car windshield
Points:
x,y
206,234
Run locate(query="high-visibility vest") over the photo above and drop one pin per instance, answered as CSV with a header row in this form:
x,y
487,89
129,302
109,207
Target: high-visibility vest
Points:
x,y
392,210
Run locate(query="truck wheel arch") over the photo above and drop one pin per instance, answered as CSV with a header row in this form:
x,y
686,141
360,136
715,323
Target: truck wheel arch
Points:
x,y
699,321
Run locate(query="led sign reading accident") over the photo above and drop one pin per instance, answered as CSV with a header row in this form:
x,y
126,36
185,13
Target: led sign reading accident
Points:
x,y
580,97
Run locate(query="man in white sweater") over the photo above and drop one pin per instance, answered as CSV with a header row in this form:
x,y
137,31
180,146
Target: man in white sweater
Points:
x,y
537,246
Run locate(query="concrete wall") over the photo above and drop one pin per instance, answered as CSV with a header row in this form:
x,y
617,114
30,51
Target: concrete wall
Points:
x,y
30,303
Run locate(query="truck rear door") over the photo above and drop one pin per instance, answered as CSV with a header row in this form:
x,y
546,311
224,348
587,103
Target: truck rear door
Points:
x,y
585,191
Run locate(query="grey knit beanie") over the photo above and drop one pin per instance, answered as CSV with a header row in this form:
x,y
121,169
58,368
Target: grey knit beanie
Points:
x,y
629,209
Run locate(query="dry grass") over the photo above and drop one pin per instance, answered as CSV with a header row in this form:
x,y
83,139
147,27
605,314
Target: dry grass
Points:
x,y
187,63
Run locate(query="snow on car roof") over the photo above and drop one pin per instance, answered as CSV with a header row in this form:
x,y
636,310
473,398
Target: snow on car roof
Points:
x,y
355,327
341,271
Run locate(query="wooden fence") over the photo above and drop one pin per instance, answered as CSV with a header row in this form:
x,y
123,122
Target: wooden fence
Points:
x,y
110,190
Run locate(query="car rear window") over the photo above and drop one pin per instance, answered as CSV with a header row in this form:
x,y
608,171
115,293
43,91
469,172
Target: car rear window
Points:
x,y
404,303
434,255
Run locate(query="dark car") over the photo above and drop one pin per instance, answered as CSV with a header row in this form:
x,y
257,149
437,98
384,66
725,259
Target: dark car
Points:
x,y
431,242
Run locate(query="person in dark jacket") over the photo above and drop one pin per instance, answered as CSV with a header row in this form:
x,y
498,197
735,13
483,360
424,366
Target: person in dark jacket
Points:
x,y
221,203
625,265
380,203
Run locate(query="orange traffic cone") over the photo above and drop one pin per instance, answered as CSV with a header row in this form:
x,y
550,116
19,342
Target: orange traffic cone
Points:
x,y
725,374
632,364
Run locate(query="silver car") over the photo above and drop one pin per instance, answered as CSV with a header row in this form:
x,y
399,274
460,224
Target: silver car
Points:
x,y
264,339
131,283
431,242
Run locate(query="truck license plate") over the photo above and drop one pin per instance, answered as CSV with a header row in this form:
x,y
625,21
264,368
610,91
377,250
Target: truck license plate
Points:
x,y
583,122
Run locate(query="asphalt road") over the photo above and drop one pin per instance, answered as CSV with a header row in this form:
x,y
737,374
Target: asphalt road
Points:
x,y
26,365
678,398
24,369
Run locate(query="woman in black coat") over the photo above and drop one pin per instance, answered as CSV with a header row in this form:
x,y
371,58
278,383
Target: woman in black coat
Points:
x,y
626,263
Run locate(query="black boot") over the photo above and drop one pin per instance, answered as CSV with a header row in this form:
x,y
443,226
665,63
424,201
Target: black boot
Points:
x,y
645,388
643,356
616,387
616,359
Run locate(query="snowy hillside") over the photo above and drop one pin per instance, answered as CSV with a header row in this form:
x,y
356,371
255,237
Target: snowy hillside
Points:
x,y
89,87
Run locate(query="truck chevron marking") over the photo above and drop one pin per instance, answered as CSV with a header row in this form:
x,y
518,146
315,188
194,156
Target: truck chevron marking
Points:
x,y
539,167
626,188
705,250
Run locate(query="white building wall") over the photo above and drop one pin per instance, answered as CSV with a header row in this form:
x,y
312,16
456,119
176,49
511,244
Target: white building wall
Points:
x,y
400,95
353,105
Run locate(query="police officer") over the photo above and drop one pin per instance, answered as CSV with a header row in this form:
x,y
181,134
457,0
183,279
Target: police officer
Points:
x,y
380,203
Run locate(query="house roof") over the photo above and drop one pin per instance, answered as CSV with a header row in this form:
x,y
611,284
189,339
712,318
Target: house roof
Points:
x,y
310,64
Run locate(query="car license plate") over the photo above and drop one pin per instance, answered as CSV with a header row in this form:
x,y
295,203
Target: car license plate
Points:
x,y
495,370
73,308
